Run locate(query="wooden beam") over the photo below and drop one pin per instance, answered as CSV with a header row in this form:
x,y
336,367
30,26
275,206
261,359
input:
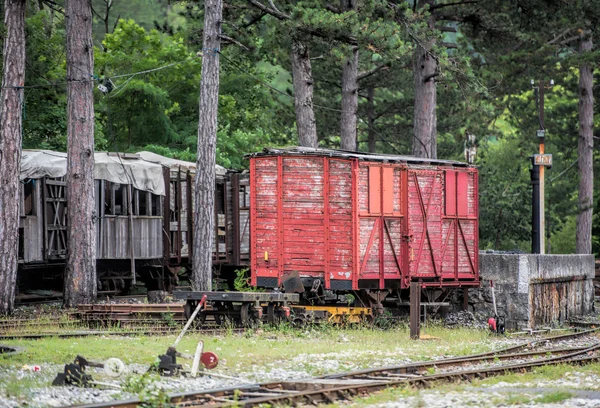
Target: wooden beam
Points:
x,y
415,310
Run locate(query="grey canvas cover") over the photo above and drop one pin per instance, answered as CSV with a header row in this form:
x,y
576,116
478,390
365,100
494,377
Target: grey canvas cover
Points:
x,y
122,169
175,164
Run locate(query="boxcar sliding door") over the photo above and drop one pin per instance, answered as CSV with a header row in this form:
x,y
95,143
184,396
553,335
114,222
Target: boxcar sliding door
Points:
x,y
459,251
425,223
381,225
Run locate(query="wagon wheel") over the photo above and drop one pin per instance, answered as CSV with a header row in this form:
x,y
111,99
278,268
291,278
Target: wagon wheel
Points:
x,y
201,318
272,317
188,309
221,307
245,315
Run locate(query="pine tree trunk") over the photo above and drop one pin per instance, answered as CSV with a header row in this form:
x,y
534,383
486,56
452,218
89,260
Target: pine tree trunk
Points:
x,y
303,95
583,241
371,119
11,124
425,121
349,102
80,274
204,216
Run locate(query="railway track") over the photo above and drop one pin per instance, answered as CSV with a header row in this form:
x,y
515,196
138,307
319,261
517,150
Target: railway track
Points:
x,y
330,388
213,331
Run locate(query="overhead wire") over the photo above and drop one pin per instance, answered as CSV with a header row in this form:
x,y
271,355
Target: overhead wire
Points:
x,y
132,75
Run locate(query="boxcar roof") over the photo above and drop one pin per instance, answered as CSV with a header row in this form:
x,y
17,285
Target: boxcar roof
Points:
x,y
175,164
346,154
143,175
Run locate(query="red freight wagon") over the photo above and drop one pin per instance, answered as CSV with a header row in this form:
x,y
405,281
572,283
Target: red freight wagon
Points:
x,y
362,221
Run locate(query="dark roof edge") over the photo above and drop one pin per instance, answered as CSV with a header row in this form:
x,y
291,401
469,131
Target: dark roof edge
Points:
x,y
346,154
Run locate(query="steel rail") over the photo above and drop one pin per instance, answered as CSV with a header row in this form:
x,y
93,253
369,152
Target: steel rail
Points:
x,y
347,391
86,333
220,396
419,367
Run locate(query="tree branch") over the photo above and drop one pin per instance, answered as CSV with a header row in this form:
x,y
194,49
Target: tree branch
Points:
x,y
367,74
274,12
460,3
450,17
332,8
54,6
254,20
558,37
283,16
233,41
447,29
430,77
448,45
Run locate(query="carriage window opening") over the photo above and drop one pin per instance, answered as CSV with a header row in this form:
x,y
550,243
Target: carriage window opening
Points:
x,y
220,198
221,220
143,203
173,203
97,187
29,197
135,201
120,205
243,197
155,204
21,253
115,198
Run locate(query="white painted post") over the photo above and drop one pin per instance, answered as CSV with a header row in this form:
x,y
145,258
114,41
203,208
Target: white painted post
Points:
x,y
196,363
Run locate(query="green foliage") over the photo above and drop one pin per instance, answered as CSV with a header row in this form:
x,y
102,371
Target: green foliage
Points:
x,y
158,110
563,240
44,119
152,395
554,397
241,282
482,89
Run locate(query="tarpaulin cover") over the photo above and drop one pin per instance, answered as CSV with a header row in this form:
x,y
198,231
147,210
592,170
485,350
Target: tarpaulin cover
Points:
x,y
143,175
175,164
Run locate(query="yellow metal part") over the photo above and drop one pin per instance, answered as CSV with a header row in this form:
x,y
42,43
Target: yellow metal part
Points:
x,y
343,314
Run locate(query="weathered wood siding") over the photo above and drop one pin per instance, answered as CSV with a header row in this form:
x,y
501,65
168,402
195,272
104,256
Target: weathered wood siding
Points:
x,y
265,218
561,287
443,231
381,221
363,224
32,246
33,239
147,238
244,218
339,225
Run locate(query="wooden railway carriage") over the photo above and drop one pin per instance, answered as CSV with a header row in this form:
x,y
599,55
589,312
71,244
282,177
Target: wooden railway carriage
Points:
x,y
159,234
346,221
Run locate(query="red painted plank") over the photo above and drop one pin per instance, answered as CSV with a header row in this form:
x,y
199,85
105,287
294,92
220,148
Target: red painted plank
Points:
x,y
462,194
450,193
374,190
388,190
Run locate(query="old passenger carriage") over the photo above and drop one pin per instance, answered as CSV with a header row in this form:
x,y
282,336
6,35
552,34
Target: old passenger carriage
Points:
x,y
143,227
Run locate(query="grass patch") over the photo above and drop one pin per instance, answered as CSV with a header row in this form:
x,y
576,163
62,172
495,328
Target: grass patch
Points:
x,y
553,397
386,395
512,399
19,389
356,348
544,373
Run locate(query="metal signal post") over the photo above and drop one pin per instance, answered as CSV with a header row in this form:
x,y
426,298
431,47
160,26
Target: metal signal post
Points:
x,y
540,162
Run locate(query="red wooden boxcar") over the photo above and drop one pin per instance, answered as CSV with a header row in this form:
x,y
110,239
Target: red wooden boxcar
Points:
x,y
362,221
